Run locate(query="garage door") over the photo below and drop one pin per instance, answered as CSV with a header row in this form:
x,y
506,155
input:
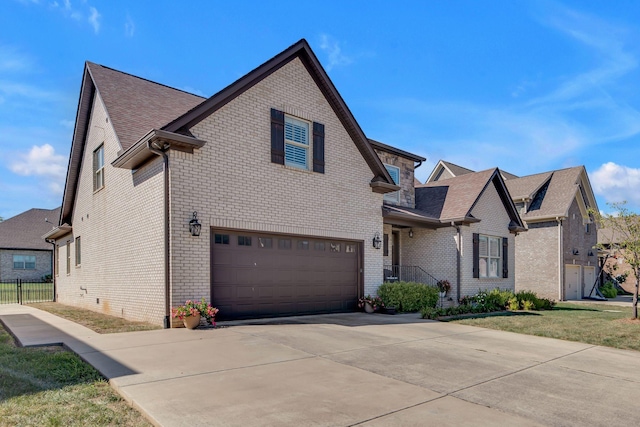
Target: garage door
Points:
x,y
263,275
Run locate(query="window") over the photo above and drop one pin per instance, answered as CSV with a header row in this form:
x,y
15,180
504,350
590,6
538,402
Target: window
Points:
x,y
303,245
244,240
284,243
24,262
587,228
68,256
349,248
78,252
296,142
335,247
394,171
386,245
319,246
490,256
98,168
221,239
265,242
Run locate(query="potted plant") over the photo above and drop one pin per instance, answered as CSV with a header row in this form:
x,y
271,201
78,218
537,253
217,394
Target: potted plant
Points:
x,y
370,304
192,311
444,286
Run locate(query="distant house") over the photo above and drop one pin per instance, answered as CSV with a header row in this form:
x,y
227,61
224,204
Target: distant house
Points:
x,y
556,258
24,254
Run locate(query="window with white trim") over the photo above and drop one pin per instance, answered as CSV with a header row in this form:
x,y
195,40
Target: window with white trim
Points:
x,y
394,171
296,143
490,254
98,168
24,262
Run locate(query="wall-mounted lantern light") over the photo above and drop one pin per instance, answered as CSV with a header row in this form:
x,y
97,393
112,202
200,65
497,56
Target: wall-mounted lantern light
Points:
x,y
377,241
194,225
411,233
590,253
576,251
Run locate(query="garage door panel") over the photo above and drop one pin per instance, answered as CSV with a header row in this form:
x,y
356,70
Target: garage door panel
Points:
x,y
283,275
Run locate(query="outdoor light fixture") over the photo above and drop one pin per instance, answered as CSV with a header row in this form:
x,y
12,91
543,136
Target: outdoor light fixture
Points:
x,y
411,233
377,242
576,252
590,253
194,225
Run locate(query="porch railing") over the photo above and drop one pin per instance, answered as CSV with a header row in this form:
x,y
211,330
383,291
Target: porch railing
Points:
x,y
20,291
408,273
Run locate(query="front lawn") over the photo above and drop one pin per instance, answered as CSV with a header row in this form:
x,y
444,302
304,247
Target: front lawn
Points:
x,y
605,325
49,386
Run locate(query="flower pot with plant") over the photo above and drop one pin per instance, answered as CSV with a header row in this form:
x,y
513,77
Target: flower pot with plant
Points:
x,y
444,286
370,304
192,311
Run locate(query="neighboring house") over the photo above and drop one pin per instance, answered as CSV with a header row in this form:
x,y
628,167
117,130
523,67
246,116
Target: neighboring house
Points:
x,y
275,170
556,258
461,229
23,253
612,261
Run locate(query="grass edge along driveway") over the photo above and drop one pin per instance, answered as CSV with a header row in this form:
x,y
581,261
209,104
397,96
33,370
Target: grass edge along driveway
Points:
x,y
605,325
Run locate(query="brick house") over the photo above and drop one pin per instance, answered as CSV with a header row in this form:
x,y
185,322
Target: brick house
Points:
x,y
23,253
556,258
275,170
461,229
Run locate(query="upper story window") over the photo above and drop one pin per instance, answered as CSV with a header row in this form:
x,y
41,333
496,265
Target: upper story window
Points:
x,y
78,252
291,142
98,168
394,171
490,254
296,143
24,262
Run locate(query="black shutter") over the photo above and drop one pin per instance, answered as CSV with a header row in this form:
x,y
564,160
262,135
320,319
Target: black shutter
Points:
x,y
505,257
385,251
277,136
476,255
318,147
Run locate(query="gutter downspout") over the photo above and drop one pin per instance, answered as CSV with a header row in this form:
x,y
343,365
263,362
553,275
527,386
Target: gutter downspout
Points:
x,y
167,229
53,268
560,266
458,258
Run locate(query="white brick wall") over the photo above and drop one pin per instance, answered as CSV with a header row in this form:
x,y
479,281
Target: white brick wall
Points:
x,y
436,250
121,234
232,183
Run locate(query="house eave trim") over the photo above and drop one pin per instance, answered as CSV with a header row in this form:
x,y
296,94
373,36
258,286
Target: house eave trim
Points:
x,y
58,232
383,187
139,152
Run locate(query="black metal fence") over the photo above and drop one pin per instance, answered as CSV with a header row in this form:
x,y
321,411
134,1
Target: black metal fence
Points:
x,y
408,273
24,292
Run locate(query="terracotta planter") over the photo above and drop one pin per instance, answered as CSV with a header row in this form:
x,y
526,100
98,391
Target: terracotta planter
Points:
x,y
368,308
191,322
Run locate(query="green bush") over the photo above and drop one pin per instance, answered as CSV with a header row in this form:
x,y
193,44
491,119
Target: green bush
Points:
x,y
608,290
408,296
528,300
513,303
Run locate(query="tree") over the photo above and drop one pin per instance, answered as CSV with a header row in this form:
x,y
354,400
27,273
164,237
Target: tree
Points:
x,y
622,236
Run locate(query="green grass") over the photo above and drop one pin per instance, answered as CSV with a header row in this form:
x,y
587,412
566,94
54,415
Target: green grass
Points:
x,y
98,322
605,325
31,292
49,386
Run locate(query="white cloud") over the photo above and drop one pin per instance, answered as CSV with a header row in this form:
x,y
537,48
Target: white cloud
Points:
x,y
13,61
617,183
334,52
41,161
129,26
69,124
94,19
9,88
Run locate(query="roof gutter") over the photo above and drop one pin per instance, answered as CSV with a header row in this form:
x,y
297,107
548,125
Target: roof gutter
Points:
x,y
162,152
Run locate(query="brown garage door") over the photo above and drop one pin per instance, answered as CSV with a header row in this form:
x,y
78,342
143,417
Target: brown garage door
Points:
x,y
257,275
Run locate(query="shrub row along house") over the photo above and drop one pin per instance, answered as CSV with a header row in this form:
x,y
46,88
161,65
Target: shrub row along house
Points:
x,y
266,198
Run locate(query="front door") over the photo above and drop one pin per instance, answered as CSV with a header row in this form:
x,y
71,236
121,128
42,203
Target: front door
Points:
x,y
571,281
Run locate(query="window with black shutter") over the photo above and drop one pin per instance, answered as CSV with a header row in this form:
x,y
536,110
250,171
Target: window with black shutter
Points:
x,y
290,142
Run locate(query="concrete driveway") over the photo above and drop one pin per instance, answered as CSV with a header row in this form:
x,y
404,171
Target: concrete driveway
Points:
x,y
351,369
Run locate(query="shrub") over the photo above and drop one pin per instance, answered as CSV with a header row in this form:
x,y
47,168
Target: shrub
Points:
x,y
513,303
430,313
408,296
608,290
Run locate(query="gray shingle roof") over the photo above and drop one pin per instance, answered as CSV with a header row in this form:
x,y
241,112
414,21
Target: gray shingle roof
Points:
x,y
452,198
455,169
25,230
135,105
563,185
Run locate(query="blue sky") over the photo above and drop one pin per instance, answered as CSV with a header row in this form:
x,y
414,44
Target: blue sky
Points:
x,y
528,86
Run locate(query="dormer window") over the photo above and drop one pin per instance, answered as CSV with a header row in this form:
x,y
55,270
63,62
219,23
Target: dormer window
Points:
x,y
394,171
